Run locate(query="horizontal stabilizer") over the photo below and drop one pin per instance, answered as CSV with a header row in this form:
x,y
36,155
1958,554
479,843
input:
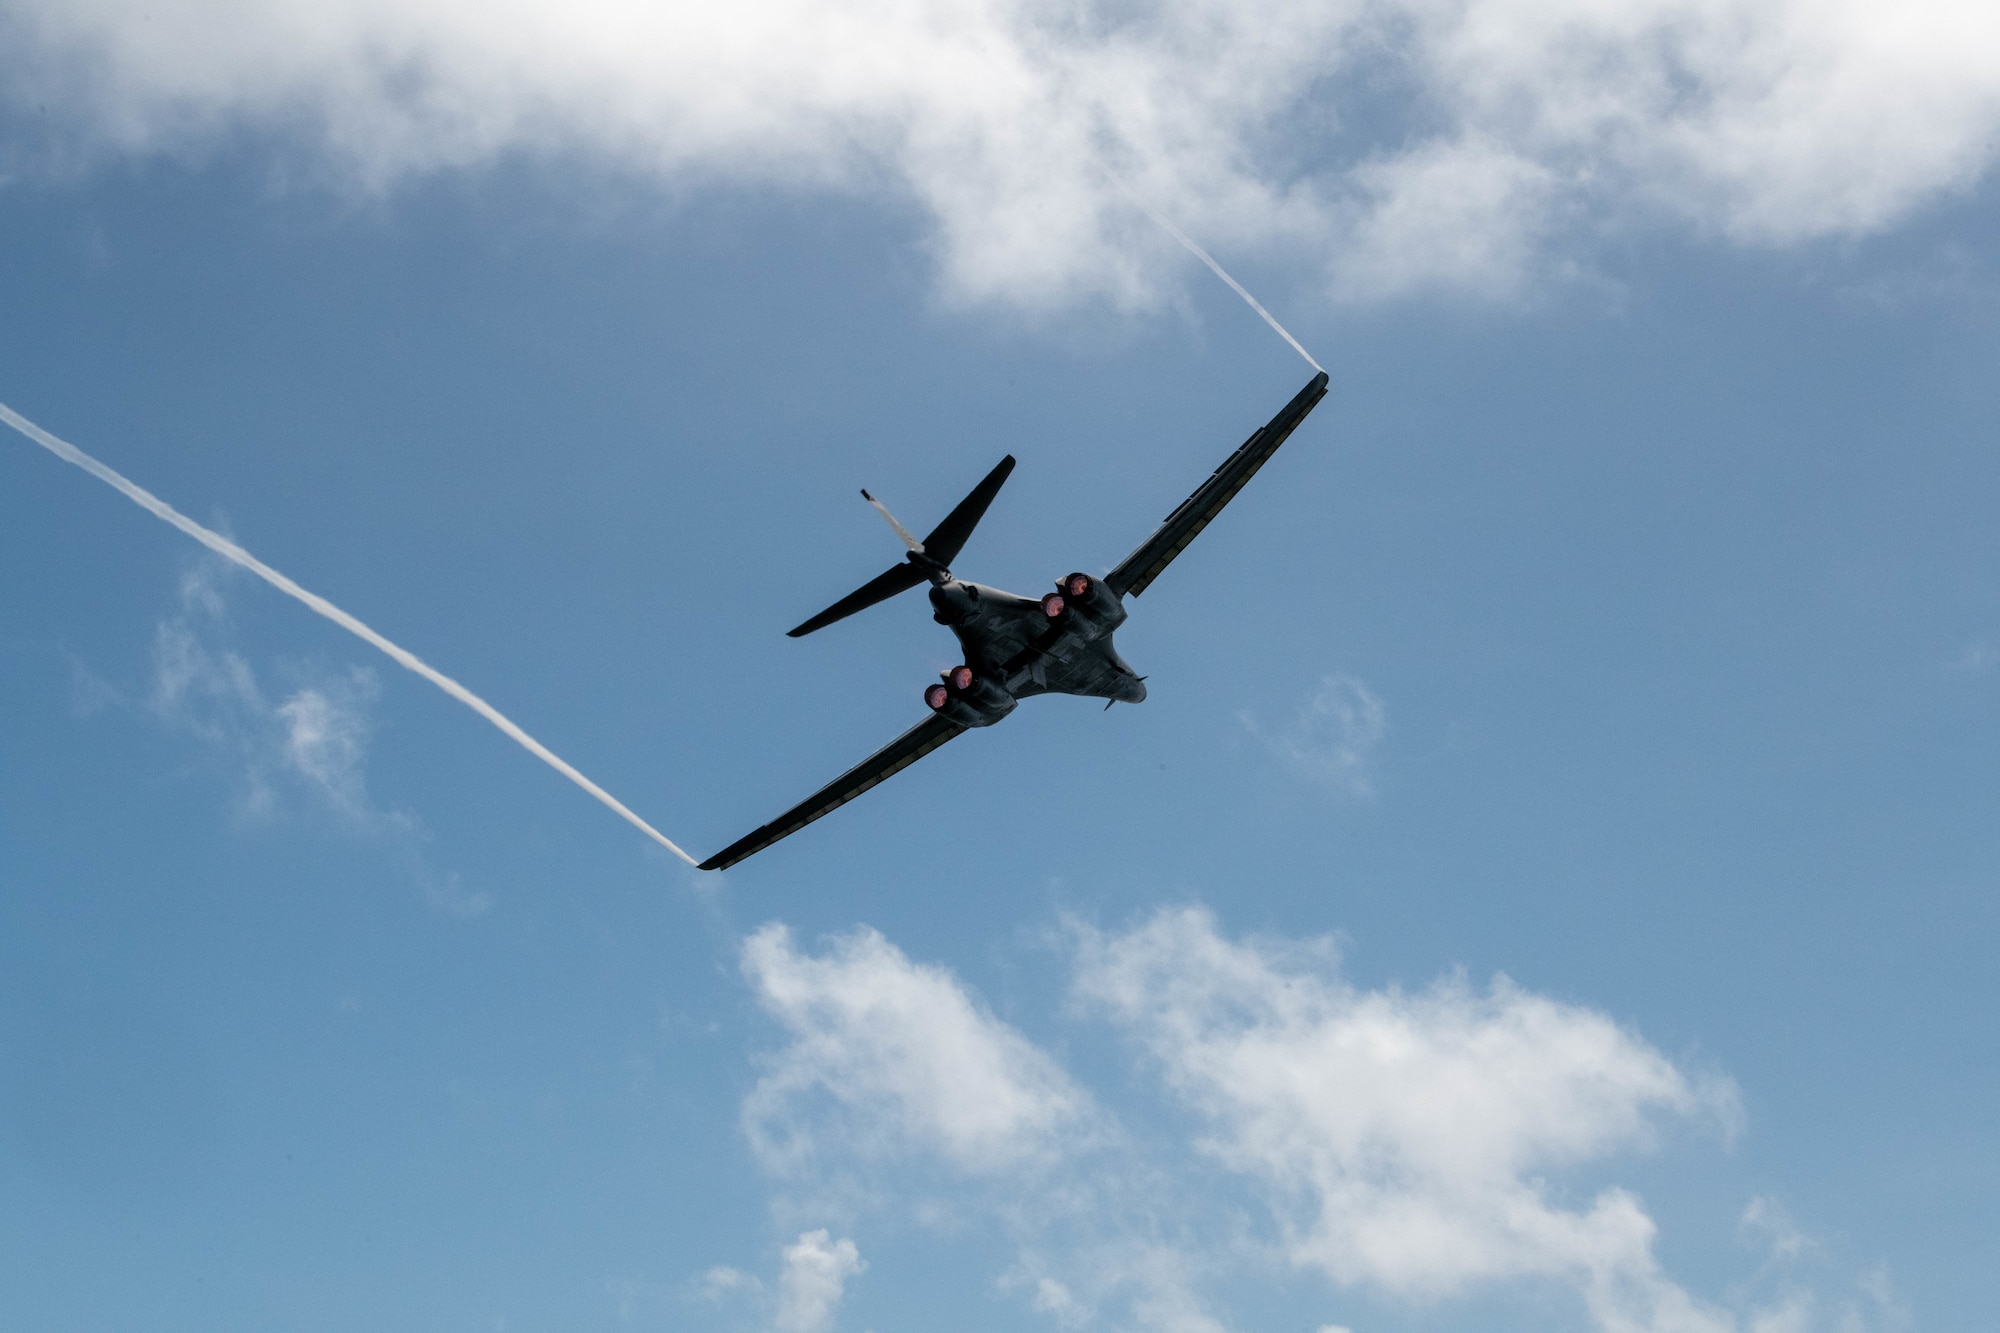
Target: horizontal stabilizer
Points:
x,y
878,589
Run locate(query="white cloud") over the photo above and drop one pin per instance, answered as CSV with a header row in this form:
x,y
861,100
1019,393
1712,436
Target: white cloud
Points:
x,y
886,1055
301,751
1884,1309
1162,1279
888,1062
1404,1140
1054,1298
325,741
1134,1250
1332,738
1765,1219
314,740
813,1281
1418,1146
722,1281
1392,146
1789,1304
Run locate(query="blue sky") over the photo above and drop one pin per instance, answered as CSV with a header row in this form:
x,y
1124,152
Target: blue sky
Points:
x,y
1550,886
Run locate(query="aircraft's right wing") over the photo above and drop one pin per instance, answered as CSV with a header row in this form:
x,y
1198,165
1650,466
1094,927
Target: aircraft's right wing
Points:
x,y
1138,570
886,762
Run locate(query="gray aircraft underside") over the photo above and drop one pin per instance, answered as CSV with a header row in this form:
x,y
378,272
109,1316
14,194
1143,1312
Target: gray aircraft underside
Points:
x,y
1013,642
1016,646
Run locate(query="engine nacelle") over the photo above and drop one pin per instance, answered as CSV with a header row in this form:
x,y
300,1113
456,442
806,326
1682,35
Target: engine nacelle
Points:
x,y
1086,605
969,699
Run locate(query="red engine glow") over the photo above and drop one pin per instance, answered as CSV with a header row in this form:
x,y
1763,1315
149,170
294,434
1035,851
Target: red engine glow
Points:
x,y
961,678
1052,605
936,696
1078,585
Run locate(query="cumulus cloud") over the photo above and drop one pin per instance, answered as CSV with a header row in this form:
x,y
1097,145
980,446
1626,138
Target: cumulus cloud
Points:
x,y
1405,1140
1419,1146
1388,145
886,1055
889,1062
813,1281
1332,738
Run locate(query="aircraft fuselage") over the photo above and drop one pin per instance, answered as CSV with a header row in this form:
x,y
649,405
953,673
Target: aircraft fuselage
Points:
x,y
1020,646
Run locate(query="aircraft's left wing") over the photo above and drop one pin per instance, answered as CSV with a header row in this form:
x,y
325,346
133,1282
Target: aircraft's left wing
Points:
x,y
1138,570
886,762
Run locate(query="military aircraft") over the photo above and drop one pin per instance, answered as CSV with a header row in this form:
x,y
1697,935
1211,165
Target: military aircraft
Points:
x,y
1017,646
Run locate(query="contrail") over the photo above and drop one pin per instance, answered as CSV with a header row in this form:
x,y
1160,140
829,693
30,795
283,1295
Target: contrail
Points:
x,y
1208,259
229,550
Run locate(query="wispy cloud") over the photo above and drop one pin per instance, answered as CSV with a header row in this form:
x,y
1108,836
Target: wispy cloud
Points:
x,y
311,743
1975,659
1795,1303
1765,1221
1331,738
1389,147
299,751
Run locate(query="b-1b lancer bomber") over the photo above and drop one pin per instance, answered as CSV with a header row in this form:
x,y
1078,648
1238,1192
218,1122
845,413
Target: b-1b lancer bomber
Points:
x,y
1017,646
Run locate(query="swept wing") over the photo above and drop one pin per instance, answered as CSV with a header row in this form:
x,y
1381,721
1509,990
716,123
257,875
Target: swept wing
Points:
x,y
1136,572
891,759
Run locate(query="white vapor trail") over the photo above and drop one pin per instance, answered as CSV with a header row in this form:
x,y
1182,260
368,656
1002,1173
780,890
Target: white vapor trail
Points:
x,y
1205,257
1235,286
230,551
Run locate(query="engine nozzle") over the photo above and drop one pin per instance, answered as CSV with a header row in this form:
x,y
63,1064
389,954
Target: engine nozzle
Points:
x,y
969,699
